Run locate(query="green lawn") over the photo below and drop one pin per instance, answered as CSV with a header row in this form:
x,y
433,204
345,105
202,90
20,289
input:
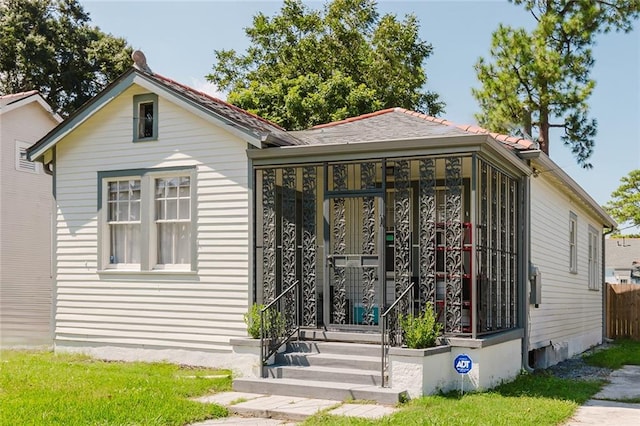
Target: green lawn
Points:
x,y
624,352
42,388
531,399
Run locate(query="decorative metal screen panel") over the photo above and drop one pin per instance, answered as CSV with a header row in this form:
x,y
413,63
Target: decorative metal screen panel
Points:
x,y
497,249
269,235
309,252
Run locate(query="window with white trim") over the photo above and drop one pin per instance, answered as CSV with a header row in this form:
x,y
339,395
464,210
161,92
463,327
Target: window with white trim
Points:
x,y
573,243
594,259
22,163
173,220
147,220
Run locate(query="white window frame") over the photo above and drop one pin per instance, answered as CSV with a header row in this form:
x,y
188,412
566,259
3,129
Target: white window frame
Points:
x,y
148,224
594,259
573,243
22,163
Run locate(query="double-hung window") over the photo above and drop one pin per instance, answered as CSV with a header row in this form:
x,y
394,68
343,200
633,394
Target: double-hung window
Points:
x,y
173,220
147,220
573,243
123,220
594,260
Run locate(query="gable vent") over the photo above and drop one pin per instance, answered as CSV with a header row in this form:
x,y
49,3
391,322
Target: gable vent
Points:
x,y
22,163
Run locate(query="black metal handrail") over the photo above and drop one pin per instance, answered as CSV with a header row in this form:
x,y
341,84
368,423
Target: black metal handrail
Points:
x,y
280,328
385,342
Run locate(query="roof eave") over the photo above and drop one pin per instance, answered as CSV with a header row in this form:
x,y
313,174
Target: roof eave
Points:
x,y
547,165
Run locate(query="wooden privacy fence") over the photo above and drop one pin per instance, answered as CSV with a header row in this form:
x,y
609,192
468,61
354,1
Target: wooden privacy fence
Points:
x,y
623,311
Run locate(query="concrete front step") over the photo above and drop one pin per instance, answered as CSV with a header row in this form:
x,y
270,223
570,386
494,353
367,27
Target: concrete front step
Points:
x,y
321,390
325,374
302,359
340,336
310,346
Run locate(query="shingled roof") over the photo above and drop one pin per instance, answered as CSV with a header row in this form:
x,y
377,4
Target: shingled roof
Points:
x,y
397,123
261,126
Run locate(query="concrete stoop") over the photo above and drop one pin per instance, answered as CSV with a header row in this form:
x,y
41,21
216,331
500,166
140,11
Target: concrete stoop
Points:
x,y
325,370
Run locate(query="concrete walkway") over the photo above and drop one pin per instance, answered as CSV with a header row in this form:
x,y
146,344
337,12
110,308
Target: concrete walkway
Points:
x,y
607,406
259,409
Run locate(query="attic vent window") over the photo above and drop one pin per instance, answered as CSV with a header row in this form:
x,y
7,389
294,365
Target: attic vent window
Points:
x,y
145,127
145,115
22,163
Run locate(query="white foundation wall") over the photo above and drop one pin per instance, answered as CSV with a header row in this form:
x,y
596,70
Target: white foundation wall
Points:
x,y
186,318
569,317
425,372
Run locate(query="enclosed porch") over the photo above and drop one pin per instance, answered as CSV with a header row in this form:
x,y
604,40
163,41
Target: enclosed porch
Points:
x,y
338,243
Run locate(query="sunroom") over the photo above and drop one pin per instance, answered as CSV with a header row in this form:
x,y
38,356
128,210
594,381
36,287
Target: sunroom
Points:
x,y
357,227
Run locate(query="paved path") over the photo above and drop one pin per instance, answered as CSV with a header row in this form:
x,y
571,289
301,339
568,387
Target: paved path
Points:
x,y
258,409
603,409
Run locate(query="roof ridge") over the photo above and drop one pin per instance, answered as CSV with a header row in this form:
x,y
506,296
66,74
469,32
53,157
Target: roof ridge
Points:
x,y
19,94
471,128
218,100
352,119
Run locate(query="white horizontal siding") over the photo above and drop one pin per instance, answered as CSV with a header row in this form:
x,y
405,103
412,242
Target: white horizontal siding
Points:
x,y
25,234
569,311
170,311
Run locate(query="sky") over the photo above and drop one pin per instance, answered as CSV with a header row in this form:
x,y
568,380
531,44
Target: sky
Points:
x,y
179,39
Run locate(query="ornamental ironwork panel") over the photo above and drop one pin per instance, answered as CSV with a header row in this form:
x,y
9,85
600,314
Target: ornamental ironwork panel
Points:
x,y
453,244
513,258
482,249
427,232
339,298
495,272
402,235
289,240
309,250
504,225
369,236
269,235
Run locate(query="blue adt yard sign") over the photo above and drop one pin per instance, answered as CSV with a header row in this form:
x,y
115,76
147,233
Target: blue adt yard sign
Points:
x,y
462,364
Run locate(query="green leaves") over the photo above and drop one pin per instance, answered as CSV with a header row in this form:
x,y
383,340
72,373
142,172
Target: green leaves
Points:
x,y
49,45
307,67
540,79
625,203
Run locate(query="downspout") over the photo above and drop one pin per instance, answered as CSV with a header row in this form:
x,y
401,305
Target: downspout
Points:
x,y
525,262
605,289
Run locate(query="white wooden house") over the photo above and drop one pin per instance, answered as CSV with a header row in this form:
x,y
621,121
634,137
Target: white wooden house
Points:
x,y
25,223
177,211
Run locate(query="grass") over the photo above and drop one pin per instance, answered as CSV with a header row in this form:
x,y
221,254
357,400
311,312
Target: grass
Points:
x,y
623,352
531,399
42,388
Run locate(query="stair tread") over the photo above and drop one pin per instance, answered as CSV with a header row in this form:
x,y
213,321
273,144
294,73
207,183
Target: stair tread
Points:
x,y
322,385
322,368
331,355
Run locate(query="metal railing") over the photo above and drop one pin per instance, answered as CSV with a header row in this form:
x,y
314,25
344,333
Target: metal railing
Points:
x,y
392,336
278,322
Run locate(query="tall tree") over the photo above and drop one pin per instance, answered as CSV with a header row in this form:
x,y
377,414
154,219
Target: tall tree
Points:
x,y
49,45
540,79
625,201
307,66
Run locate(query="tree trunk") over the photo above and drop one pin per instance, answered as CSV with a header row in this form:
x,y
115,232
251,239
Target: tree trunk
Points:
x,y
543,138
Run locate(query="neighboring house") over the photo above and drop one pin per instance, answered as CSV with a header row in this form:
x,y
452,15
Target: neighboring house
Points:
x,y
622,261
177,211
26,282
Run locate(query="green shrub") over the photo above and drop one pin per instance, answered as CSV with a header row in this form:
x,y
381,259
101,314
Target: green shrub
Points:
x,y
252,319
421,331
273,322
